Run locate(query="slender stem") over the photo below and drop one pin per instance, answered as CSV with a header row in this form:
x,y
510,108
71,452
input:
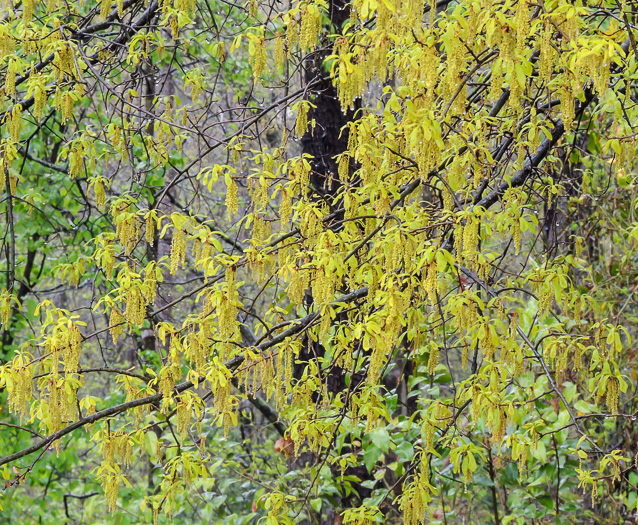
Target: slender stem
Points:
x,y
490,465
12,238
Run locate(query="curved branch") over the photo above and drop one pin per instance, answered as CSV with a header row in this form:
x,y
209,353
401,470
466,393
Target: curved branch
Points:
x,y
232,364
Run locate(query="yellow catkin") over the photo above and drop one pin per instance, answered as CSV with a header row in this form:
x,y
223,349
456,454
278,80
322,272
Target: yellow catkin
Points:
x,y
100,195
516,234
110,485
178,249
545,66
496,83
258,59
5,307
280,53
232,201
105,8
302,119
166,385
10,79
567,107
433,360
522,24
72,351
470,241
29,10
285,208
20,389
228,308
150,229
183,417
611,395
16,122
116,325
298,284
310,27
431,282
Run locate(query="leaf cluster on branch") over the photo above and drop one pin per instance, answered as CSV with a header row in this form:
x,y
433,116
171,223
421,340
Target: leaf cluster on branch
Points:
x,y
318,261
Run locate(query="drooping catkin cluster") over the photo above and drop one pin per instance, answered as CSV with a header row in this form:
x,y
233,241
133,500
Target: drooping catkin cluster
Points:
x,y
497,420
556,353
19,384
178,249
166,386
125,220
225,405
232,200
299,280
116,323
184,410
426,116
6,299
471,240
418,494
542,282
148,287
135,305
227,308
429,277
301,125
14,122
310,26
117,448
100,194
196,349
280,51
258,56
71,350
150,224
10,78
611,395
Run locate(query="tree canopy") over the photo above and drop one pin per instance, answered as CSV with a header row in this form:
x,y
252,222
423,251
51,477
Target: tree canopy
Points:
x,y
318,261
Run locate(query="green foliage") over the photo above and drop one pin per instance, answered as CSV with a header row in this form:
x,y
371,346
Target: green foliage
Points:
x,y
205,321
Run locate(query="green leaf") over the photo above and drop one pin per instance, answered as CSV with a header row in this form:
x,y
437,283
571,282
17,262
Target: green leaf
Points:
x,y
371,456
381,439
405,451
570,391
584,407
546,501
150,443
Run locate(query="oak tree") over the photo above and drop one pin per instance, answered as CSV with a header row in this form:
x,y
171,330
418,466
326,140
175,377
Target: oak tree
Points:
x,y
318,261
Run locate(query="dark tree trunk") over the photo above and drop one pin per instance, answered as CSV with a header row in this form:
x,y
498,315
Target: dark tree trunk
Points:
x,y
329,137
325,143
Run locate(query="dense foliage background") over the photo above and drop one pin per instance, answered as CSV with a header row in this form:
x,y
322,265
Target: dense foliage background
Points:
x,y
318,261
